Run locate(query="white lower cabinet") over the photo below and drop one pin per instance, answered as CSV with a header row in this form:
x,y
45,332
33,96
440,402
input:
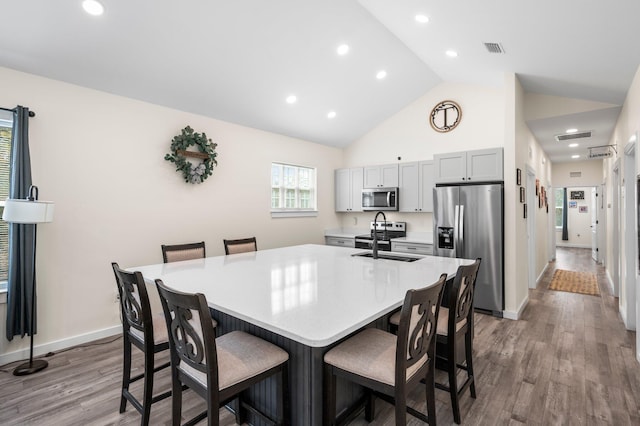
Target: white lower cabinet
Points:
x,y
415,248
340,241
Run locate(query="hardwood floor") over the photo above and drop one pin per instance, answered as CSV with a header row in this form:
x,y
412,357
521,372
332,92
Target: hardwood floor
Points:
x,y
568,361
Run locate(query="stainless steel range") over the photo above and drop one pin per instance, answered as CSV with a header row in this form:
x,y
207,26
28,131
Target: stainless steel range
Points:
x,y
385,232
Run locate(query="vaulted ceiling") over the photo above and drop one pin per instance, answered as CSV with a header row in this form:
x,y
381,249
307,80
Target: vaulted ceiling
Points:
x,y
239,60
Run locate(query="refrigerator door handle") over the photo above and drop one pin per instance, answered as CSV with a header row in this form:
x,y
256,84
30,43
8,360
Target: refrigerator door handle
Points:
x,y
456,230
461,232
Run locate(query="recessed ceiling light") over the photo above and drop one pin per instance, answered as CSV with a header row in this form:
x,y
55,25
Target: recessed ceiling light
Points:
x,y
291,99
332,114
93,7
451,53
575,156
343,49
423,19
381,74
573,145
572,130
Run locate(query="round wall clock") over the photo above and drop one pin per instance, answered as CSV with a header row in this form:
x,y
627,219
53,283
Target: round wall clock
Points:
x,y
445,116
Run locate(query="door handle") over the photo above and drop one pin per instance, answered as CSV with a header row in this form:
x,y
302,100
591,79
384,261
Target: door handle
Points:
x,y
456,230
461,233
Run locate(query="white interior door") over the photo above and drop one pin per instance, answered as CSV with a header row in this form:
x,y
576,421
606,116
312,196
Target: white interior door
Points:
x,y
594,223
615,238
630,244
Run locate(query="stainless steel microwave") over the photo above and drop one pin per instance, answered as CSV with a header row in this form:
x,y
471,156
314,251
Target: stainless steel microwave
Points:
x,y
374,199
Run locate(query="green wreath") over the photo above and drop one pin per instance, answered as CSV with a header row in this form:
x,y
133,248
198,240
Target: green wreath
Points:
x,y
179,154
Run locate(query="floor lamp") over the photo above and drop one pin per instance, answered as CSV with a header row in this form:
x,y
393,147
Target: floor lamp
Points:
x,y
29,211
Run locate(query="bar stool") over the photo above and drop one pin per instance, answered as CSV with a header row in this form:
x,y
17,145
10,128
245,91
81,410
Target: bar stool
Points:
x,y
455,325
144,331
389,365
217,369
243,245
178,252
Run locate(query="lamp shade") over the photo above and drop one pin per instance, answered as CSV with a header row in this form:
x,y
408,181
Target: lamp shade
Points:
x,y
25,211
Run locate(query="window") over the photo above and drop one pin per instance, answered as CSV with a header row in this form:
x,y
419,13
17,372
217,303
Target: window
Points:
x,y
559,197
293,190
6,120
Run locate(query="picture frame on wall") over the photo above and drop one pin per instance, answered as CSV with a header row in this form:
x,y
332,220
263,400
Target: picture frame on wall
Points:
x,y
518,177
573,204
583,209
525,210
537,187
522,194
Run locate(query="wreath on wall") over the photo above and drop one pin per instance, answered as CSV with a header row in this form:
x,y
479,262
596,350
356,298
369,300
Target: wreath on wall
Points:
x,y
180,156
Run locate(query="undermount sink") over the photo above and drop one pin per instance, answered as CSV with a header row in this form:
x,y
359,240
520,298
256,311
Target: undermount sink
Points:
x,y
388,256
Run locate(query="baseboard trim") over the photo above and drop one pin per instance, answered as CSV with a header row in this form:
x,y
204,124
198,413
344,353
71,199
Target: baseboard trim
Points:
x,y
573,245
515,315
38,350
610,282
541,274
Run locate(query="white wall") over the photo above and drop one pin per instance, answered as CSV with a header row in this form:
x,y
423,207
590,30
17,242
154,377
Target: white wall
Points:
x,y
590,173
578,223
408,135
100,157
627,126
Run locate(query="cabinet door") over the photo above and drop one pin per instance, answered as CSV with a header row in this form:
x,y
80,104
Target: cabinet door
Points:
x,y
485,165
343,190
372,177
427,183
389,176
450,167
385,176
356,183
409,187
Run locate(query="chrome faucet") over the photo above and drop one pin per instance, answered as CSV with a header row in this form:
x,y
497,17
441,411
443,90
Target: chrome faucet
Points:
x,y
375,233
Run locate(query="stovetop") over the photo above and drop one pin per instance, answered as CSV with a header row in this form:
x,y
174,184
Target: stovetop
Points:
x,y
385,231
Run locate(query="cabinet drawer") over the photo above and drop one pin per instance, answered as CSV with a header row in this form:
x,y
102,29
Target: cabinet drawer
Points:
x,y
415,248
340,242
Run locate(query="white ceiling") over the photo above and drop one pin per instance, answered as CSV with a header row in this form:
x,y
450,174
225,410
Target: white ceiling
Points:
x,y
238,60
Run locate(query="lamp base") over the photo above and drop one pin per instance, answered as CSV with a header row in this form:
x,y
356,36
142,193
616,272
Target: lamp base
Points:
x,y
30,367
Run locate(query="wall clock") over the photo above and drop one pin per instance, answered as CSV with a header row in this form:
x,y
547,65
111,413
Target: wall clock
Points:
x,y
445,116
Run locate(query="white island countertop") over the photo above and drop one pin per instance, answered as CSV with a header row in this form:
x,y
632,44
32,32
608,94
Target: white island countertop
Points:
x,y
312,294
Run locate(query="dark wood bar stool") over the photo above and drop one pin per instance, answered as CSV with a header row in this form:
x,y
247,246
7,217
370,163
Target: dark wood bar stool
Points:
x,y
388,366
178,252
218,369
144,331
243,245
454,325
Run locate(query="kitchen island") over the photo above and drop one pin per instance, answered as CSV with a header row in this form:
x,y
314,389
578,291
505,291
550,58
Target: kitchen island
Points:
x,y
303,298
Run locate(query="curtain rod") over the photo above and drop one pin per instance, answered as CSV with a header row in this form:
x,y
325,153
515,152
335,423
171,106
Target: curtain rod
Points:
x,y
31,113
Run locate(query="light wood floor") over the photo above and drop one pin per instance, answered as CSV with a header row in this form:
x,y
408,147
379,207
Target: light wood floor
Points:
x,y
568,361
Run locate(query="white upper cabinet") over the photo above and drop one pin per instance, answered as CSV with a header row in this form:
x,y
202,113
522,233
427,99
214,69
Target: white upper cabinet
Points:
x,y
349,189
483,165
385,176
416,185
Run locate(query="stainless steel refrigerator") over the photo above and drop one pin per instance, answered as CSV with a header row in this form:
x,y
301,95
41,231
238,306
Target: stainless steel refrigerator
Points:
x,y
468,223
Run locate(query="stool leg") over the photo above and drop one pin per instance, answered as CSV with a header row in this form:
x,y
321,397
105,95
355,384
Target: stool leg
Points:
x,y
126,372
431,397
469,356
148,386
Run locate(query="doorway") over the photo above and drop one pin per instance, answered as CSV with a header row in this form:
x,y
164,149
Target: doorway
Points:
x,y
629,239
615,237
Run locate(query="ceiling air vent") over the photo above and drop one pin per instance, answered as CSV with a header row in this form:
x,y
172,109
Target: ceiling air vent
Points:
x,y
575,174
494,47
570,136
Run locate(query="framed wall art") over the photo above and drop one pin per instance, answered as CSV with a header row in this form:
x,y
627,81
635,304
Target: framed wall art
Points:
x,y
518,177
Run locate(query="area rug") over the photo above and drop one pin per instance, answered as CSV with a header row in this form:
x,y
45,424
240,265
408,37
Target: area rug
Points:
x,y
575,282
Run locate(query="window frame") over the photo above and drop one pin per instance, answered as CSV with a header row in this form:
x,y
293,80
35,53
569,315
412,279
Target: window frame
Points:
x,y
283,188
6,121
